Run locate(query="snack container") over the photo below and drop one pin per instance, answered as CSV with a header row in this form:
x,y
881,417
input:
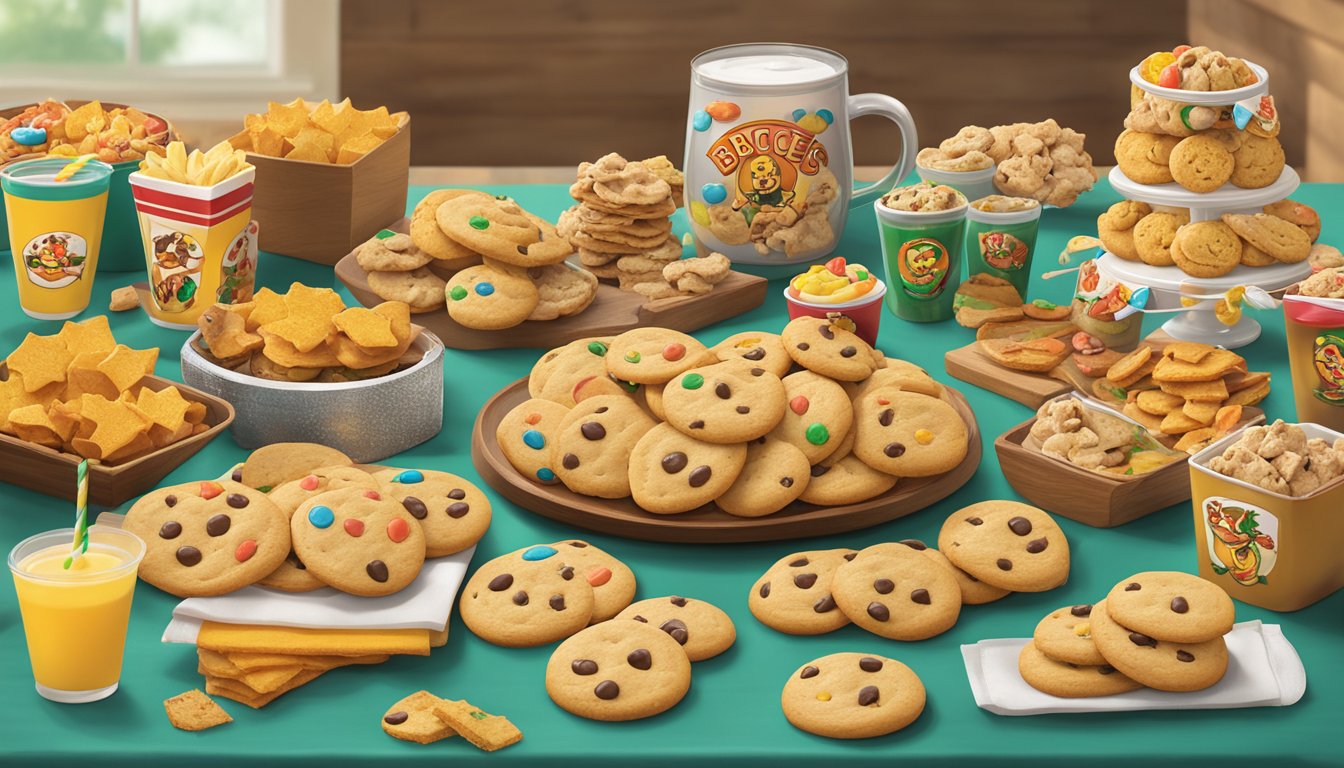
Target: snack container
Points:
x,y
367,420
863,313
973,184
199,244
1242,531
921,252
1096,299
1000,243
1314,329
45,470
320,212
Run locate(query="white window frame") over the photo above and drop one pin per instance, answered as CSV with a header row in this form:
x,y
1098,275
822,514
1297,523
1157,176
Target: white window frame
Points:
x,y
304,61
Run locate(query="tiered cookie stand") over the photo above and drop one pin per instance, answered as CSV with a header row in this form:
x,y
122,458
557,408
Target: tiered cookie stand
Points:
x,y
1168,284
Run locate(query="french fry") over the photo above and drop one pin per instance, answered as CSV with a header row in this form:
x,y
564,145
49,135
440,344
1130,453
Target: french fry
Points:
x,y
207,168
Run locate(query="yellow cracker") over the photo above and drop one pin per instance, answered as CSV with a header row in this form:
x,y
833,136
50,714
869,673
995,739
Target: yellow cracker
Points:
x,y
232,689
1126,366
1195,438
1149,421
42,360
366,328
1202,391
92,335
253,661
1212,366
1187,351
1157,402
1249,396
1135,376
1201,411
125,366
265,680
245,638
1177,423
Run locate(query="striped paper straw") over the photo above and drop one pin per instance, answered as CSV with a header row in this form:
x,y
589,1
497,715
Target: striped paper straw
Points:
x,y
81,542
71,168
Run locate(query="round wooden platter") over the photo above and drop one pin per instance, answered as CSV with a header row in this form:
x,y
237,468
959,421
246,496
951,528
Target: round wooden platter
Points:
x,y
614,311
708,524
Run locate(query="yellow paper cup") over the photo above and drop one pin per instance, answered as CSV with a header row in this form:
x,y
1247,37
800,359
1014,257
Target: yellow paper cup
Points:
x,y
200,245
55,230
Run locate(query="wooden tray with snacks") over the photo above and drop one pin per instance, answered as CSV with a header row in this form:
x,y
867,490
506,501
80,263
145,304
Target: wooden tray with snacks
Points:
x,y
614,311
707,525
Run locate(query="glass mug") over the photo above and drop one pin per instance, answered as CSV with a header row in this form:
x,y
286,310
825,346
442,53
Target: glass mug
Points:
x,y
769,167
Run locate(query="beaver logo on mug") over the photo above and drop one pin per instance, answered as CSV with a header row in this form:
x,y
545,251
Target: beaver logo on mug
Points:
x,y
766,157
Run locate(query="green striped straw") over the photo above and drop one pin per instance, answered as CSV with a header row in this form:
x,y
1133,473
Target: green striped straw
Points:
x,y
81,543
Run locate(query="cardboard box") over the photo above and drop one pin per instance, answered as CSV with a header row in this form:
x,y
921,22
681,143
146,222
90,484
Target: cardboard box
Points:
x,y
319,212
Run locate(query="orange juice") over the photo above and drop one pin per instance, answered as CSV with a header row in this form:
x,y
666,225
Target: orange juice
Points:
x,y
75,620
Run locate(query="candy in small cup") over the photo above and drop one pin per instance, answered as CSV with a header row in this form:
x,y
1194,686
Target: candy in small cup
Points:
x,y
839,290
75,618
1313,313
1001,237
55,230
921,228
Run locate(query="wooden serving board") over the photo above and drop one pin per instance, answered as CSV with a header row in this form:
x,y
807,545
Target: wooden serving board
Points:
x,y
613,311
708,524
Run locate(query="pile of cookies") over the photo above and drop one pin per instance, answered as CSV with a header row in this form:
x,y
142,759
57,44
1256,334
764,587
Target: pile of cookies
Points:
x,y
424,718
908,591
80,392
1280,459
1160,629
1200,162
622,229
1282,233
293,517
622,660
1184,391
307,334
656,415
1041,160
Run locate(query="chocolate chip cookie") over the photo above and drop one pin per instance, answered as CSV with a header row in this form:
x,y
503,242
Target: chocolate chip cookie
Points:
x,y
702,630
824,347
671,472
1007,544
618,671
525,598
453,512
1159,664
729,402
1172,606
852,696
612,581
593,446
794,594
358,541
897,592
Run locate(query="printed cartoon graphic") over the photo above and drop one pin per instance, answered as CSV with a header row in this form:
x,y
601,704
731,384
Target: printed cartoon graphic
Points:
x,y
761,182
1003,251
55,259
1103,297
176,270
238,270
1241,540
1328,355
923,265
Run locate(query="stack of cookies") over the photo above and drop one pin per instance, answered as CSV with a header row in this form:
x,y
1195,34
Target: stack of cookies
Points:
x,y
908,591
492,263
622,230
1160,629
656,415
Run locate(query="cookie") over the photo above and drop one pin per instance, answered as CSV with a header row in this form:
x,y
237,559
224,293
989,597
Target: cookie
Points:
x,y
1115,227
194,711
358,541
208,538
428,237
1033,355
702,630
824,347
453,513
420,289
852,696
774,475
973,590
1171,605
1159,664
1067,680
896,372
413,719
1007,544
269,466
489,299
898,593
1301,214
654,355
390,252
291,576
1209,248
907,434
614,671
612,581
730,402
763,349
288,496
1275,236
846,481
499,229
593,445
1065,635
1201,163
794,596
1153,235
817,416
527,434
559,371
1145,157
561,291
1257,162
525,598
671,472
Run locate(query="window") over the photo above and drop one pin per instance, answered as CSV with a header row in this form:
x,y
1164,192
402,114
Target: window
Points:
x,y
193,59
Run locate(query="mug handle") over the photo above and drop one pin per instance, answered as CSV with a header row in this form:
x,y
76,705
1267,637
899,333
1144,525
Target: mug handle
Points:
x,y
880,104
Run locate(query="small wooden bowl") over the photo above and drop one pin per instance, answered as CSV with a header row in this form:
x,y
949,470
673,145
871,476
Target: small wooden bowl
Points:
x,y
52,472
1096,499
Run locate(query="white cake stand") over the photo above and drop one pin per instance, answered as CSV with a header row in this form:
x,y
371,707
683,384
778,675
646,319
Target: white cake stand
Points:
x,y
1168,284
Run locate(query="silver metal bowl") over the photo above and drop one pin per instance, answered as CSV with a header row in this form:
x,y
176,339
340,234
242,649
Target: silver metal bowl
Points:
x,y
367,420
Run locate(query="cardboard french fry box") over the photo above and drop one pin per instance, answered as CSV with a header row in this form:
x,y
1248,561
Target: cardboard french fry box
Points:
x,y
319,212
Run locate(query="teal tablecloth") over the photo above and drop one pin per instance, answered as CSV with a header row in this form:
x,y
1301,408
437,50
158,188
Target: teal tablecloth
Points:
x,y
732,713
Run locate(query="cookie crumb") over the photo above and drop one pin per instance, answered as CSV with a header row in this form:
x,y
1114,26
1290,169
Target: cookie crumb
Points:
x,y
194,711
124,298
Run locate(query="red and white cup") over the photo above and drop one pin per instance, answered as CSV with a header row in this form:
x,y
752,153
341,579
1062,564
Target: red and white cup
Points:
x,y
864,312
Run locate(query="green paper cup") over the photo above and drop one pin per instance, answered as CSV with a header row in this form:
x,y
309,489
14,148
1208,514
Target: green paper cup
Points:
x,y
1000,243
921,252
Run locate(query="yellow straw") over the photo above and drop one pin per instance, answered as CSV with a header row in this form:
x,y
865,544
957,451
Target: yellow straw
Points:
x,y
72,167
81,542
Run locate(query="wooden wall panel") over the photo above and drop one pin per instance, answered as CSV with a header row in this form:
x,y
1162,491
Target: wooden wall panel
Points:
x,y
552,83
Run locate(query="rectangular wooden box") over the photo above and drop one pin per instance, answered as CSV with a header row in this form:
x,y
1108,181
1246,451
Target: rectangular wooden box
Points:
x,y
52,472
319,212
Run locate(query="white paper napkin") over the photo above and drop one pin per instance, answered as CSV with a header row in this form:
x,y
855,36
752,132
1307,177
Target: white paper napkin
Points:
x,y
425,604
1263,670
